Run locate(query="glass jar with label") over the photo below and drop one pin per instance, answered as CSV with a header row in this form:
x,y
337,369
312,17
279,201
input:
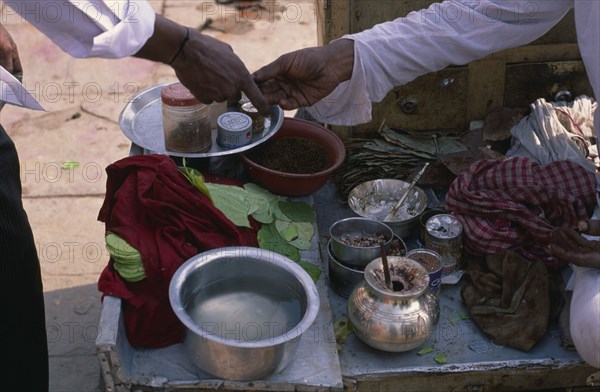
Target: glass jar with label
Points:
x,y
186,121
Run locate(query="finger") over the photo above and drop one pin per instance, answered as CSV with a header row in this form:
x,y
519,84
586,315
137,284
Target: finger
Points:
x,y
567,255
276,98
256,97
593,227
289,104
269,87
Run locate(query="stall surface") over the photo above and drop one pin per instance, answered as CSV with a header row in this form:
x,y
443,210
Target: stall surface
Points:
x,y
473,361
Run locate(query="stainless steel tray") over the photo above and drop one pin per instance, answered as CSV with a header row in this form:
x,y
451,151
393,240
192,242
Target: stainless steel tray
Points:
x,y
141,122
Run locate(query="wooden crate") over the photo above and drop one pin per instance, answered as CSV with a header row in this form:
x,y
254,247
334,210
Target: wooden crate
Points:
x,y
450,99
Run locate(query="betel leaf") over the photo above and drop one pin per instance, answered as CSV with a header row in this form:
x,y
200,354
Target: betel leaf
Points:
x,y
232,201
297,211
196,179
270,239
440,358
425,350
311,269
288,230
298,234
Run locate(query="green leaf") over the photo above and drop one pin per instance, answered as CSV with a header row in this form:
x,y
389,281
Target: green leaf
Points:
x,y
440,358
311,269
424,351
196,179
298,234
297,211
70,165
288,230
232,201
342,328
270,239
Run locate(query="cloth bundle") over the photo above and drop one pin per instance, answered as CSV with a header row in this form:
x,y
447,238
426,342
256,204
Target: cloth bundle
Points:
x,y
151,205
511,299
515,204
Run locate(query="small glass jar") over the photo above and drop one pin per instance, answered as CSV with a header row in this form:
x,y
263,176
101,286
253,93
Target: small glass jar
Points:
x,y
186,121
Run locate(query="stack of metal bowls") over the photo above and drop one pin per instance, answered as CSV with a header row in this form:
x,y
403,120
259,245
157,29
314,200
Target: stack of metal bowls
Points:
x,y
375,199
352,246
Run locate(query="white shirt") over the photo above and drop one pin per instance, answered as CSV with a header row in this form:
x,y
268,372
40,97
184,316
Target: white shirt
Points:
x,y
451,33
91,28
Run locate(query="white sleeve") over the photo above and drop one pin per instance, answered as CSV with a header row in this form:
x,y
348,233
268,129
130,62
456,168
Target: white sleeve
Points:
x,y
454,32
91,28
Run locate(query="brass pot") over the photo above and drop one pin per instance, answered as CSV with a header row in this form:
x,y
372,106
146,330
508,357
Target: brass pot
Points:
x,y
394,320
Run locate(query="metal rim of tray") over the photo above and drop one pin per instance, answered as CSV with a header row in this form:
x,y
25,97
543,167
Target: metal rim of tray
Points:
x,y
141,122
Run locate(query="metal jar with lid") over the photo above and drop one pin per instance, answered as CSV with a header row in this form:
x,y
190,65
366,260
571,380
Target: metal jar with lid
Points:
x,y
234,130
444,236
186,121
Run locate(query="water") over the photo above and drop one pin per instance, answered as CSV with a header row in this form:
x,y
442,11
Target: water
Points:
x,y
246,311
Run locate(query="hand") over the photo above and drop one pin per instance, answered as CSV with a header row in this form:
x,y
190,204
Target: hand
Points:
x,y
570,246
9,56
304,77
207,67
213,72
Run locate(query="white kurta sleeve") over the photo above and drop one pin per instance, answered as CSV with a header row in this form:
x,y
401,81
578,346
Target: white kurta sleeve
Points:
x,y
449,33
91,28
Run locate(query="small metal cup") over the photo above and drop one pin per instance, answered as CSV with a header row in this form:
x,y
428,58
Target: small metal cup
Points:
x,y
432,262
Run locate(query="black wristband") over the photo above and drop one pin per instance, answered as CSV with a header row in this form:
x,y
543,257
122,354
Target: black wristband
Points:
x,y
186,39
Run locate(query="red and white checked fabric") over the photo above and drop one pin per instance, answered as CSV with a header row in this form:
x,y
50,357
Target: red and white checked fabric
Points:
x,y
515,204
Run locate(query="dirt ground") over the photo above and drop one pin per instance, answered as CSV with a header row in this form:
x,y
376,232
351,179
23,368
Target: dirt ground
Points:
x,y
84,98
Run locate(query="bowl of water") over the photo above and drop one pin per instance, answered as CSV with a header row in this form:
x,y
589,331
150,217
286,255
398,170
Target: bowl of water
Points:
x,y
245,310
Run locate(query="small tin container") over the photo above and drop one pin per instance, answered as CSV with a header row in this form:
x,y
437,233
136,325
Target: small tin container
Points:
x,y
432,262
186,121
234,130
444,236
258,121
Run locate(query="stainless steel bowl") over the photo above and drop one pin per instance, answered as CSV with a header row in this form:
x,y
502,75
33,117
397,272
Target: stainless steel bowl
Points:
x,y
358,256
375,199
245,310
342,278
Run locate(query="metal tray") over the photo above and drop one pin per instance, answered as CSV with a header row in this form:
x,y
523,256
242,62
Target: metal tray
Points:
x,y
141,122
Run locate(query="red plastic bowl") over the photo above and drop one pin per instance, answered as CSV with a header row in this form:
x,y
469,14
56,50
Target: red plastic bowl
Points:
x,y
289,184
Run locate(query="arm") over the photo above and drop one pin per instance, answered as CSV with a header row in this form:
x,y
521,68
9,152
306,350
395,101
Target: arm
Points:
x,y
95,28
449,33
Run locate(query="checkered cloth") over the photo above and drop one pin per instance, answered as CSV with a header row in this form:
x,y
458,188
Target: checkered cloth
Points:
x,y
515,204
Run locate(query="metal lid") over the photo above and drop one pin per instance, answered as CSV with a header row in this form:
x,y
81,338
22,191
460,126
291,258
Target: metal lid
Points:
x,y
234,122
248,107
177,94
444,226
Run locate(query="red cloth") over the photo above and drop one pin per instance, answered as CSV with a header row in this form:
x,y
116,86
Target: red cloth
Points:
x,y
156,210
515,204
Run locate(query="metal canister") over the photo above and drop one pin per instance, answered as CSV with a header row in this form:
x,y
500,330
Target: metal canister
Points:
x,y
444,236
234,130
258,121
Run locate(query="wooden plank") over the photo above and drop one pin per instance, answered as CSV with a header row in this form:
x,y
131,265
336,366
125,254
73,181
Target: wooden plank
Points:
x,y
337,19
536,53
512,379
486,87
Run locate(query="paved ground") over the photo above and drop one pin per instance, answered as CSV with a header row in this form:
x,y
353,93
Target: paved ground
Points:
x,y
84,98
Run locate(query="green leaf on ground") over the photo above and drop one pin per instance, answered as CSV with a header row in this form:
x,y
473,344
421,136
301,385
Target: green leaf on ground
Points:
x,y
425,350
440,358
